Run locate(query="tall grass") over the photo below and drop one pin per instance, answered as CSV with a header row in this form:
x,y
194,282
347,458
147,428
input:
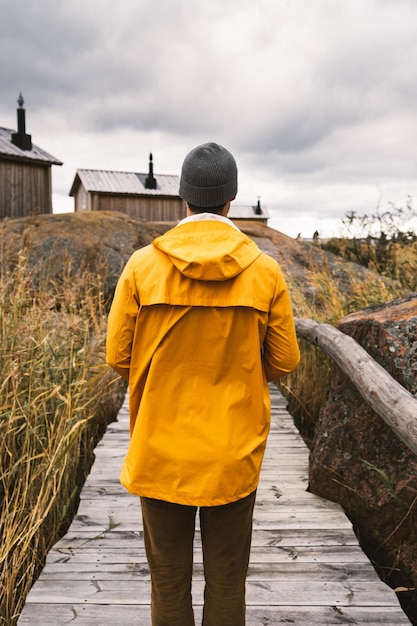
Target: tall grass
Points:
x,y
331,293
52,384
389,258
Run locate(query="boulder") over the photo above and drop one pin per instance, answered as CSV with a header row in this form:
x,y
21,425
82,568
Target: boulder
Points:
x,y
57,247
359,462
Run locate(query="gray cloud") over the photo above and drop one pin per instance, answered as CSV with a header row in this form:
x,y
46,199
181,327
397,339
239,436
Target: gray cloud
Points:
x,y
311,96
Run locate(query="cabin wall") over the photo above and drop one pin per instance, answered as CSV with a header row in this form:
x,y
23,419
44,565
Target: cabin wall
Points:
x,y
25,189
150,209
81,200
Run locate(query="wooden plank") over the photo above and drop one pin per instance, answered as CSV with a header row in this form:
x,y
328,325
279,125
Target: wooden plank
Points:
x,y
264,538
137,569
260,592
343,556
137,615
306,566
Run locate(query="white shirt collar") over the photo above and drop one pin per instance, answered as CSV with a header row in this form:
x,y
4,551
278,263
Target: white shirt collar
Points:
x,y
204,217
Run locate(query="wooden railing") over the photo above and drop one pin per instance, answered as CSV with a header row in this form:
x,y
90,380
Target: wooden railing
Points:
x,y
396,405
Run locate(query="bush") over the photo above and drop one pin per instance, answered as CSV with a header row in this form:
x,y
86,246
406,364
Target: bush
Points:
x,y
383,241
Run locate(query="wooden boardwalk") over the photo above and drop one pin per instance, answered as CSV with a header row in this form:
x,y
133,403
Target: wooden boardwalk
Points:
x,y
306,566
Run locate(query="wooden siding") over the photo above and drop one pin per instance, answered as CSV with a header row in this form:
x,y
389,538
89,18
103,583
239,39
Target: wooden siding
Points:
x,y
306,566
25,189
151,209
82,200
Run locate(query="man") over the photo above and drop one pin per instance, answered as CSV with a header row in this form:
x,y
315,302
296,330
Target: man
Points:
x,y
201,320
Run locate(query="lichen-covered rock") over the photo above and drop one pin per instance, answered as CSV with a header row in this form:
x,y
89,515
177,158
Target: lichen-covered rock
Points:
x,y
389,334
100,242
57,246
358,461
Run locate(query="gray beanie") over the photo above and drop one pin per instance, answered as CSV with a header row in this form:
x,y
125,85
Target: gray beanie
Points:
x,y
208,176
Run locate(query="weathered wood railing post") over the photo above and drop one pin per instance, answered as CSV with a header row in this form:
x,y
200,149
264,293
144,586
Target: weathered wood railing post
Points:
x,y
396,405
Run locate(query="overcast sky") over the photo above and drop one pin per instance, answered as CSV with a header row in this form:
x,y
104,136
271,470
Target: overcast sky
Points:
x,y
316,99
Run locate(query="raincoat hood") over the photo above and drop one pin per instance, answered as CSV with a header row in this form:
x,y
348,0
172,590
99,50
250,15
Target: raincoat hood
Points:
x,y
208,250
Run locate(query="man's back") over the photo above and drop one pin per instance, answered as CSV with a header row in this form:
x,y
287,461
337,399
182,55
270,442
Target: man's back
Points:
x,y
199,402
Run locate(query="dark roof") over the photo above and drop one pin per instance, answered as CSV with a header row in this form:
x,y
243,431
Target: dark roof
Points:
x,y
10,150
130,183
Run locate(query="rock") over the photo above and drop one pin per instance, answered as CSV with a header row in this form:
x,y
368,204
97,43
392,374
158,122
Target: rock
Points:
x,y
56,247
358,461
389,333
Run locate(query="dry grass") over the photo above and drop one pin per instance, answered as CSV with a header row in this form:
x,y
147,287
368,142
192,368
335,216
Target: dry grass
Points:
x,y
52,383
389,258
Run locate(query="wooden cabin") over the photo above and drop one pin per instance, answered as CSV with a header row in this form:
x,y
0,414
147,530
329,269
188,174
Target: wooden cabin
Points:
x,y
153,198
143,196
25,172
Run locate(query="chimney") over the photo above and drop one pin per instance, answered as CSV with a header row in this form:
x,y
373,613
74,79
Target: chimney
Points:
x,y
258,208
150,182
21,139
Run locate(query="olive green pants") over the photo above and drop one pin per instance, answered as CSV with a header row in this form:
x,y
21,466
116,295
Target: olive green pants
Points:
x,y
226,533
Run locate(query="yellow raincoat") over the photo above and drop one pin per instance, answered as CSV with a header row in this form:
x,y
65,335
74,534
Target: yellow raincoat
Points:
x,y
201,320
